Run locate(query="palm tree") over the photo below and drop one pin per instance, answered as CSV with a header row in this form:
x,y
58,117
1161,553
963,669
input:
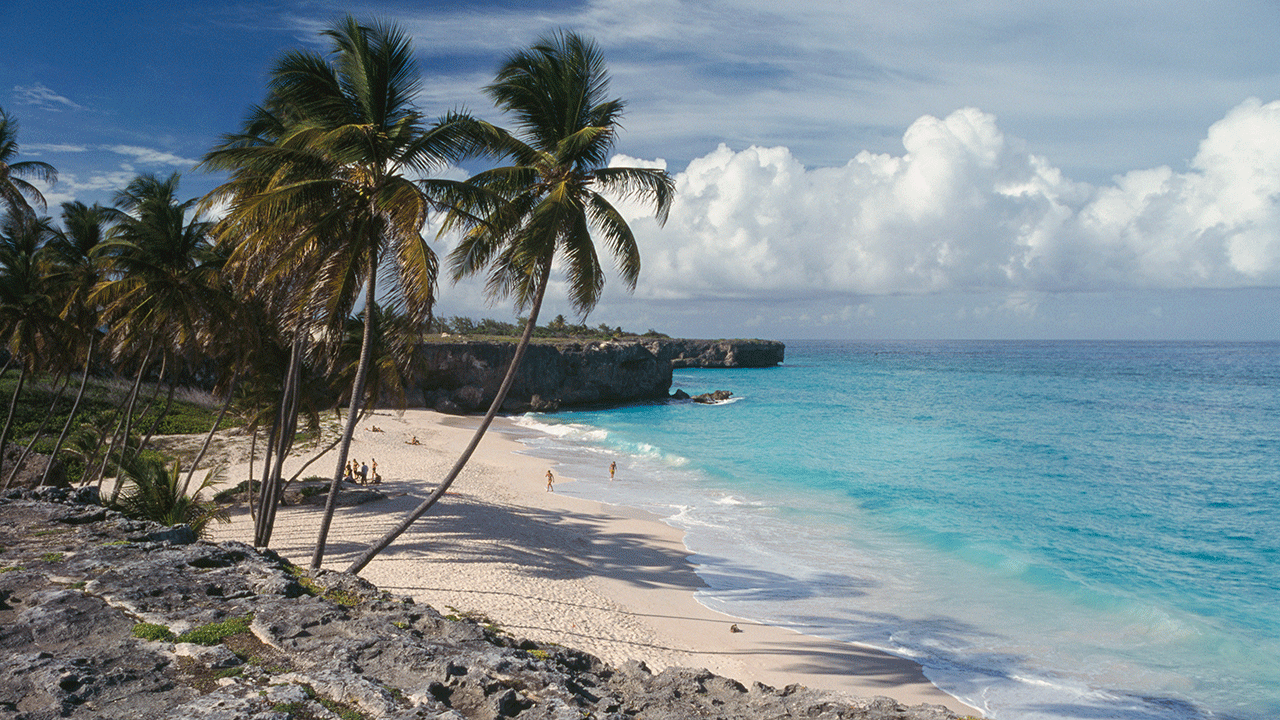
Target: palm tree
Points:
x,y
162,289
321,180
551,202
74,272
14,188
29,322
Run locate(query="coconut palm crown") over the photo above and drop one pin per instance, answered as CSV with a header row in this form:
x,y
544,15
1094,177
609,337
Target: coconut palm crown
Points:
x,y
14,187
553,195
547,204
324,189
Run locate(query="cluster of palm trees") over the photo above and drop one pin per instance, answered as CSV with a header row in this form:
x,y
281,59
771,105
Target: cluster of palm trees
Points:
x,y
329,188
138,280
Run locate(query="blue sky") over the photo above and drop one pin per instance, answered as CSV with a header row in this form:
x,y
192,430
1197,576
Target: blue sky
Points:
x,y
846,169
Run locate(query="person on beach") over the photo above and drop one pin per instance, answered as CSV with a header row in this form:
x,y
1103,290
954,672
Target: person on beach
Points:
x,y
364,474
414,441
613,468
376,477
346,473
550,480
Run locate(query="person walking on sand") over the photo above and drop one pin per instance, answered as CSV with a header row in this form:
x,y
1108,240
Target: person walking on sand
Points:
x,y
613,468
550,480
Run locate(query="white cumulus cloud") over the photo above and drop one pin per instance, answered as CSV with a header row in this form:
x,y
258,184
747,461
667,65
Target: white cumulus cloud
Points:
x,y
966,209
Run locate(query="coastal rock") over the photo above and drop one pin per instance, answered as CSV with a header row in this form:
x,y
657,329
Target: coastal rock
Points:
x,y
717,353
464,376
712,398
276,643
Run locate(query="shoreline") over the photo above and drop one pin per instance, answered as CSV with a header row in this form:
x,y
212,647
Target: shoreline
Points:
x,y
609,580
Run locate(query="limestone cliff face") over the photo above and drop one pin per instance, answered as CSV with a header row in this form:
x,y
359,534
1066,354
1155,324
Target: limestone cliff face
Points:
x,y
463,376
718,353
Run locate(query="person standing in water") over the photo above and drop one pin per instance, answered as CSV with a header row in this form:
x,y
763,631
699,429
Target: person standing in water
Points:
x,y
613,468
550,480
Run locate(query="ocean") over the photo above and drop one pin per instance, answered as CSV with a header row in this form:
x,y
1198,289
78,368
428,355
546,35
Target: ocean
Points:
x,y
1051,529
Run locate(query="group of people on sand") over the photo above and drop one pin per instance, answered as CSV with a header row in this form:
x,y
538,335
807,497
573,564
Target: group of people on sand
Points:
x,y
359,472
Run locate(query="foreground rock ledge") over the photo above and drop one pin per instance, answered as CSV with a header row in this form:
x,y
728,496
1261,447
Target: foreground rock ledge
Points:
x,y
77,580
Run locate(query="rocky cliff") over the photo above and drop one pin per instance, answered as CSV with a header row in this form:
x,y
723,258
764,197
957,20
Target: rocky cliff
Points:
x,y
718,353
106,617
463,376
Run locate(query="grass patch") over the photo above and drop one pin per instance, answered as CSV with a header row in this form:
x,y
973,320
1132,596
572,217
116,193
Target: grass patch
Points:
x,y
213,633
312,588
11,568
151,631
53,557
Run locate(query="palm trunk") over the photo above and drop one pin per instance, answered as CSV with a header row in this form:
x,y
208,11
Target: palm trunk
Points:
x,y
264,487
353,414
125,424
44,422
277,447
373,550
288,428
317,456
128,428
208,439
75,407
13,405
248,488
168,405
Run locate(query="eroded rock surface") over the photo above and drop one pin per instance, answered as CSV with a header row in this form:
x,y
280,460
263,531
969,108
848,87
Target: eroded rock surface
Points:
x,y
91,602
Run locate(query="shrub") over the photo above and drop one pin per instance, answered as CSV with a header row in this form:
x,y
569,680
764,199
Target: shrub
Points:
x,y
160,495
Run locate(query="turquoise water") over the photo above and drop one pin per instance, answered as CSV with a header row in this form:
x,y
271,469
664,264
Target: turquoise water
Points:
x,y
1052,529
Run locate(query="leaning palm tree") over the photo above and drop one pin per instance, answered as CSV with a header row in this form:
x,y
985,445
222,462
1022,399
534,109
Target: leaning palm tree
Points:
x,y
15,190
322,181
548,203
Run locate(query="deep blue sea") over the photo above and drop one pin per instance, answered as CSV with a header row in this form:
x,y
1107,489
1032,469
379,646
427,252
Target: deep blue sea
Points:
x,y
1052,529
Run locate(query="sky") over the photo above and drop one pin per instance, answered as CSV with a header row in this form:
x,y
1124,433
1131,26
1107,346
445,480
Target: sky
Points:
x,y
1092,169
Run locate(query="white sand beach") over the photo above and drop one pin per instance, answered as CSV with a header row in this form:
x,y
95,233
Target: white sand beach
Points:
x,y
605,579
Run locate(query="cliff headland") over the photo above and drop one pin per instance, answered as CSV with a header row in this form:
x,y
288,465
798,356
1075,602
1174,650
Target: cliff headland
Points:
x,y
463,376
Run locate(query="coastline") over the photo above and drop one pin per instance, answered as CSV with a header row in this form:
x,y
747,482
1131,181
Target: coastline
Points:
x,y
606,579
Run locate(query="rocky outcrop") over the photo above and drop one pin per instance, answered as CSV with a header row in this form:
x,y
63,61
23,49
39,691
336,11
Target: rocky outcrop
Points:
x,y
464,376
718,353
105,617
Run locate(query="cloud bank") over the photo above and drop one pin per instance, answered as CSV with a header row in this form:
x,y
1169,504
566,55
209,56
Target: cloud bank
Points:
x,y
966,209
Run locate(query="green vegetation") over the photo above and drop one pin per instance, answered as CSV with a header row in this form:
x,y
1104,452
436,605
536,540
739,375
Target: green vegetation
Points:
x,y
11,568
52,557
213,633
159,494
311,587
107,312
446,329
151,631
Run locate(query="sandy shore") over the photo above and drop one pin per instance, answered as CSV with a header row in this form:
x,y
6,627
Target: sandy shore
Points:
x,y
605,579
